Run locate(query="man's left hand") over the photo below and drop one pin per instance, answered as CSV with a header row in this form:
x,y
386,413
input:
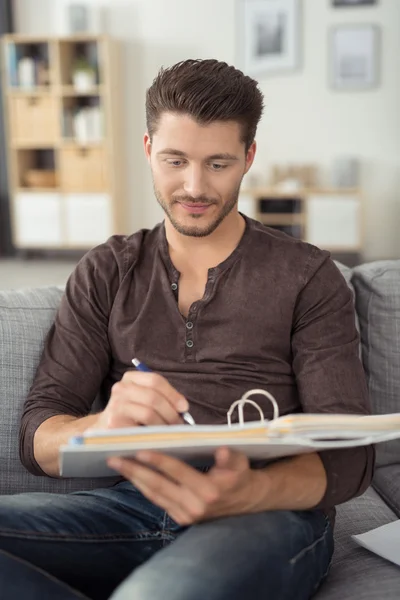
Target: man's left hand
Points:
x,y
230,487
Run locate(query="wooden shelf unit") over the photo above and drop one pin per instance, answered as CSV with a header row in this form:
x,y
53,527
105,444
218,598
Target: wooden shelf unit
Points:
x,y
87,205
326,217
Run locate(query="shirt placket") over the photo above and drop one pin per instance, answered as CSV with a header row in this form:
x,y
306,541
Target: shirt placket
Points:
x,y
192,319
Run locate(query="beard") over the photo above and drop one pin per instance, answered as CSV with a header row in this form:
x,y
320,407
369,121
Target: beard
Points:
x,y
197,230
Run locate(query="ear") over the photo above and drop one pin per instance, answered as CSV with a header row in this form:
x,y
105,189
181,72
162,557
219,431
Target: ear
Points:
x,y
250,156
147,146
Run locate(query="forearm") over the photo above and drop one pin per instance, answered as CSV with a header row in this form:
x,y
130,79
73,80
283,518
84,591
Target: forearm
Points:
x,y
298,483
52,434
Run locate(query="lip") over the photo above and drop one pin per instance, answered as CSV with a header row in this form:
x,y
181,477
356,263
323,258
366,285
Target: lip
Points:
x,y
195,208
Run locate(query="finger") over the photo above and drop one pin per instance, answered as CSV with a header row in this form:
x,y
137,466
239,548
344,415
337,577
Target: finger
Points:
x,y
161,490
131,414
184,474
137,394
226,458
159,383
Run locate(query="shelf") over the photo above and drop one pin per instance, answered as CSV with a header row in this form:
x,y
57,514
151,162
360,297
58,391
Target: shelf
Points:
x,y
258,193
44,90
280,219
71,144
301,194
28,145
21,38
70,91
26,190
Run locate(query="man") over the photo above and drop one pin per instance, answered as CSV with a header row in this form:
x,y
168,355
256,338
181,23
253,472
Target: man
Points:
x,y
215,304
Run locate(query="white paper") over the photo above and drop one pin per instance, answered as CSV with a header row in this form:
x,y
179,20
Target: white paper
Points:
x,y
383,541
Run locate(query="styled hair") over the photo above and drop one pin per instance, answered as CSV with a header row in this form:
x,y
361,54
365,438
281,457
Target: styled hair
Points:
x,y
208,91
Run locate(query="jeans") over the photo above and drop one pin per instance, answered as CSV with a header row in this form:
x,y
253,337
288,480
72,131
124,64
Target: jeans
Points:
x,y
114,543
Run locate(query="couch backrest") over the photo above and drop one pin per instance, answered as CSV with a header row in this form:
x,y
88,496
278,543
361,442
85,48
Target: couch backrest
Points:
x,y
377,288
25,318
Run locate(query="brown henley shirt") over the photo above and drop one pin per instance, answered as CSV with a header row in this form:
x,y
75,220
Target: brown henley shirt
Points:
x,y
276,314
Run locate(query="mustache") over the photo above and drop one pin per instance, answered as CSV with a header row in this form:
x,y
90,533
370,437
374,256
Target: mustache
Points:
x,y
202,200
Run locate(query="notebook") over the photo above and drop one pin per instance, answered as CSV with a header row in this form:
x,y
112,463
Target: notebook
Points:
x,y
288,435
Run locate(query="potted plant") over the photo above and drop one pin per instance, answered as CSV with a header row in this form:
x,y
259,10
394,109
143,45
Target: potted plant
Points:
x,y
83,75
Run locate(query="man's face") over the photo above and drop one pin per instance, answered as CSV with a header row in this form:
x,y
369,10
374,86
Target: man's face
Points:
x,y
197,171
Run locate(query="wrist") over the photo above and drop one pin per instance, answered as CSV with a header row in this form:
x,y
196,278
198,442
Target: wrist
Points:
x,y
261,492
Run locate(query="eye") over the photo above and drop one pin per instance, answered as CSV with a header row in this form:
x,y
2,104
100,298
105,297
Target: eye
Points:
x,y
176,163
218,167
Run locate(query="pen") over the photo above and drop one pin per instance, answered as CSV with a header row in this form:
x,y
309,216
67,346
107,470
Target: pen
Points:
x,y
142,367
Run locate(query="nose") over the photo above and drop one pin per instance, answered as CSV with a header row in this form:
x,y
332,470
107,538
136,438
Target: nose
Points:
x,y
194,184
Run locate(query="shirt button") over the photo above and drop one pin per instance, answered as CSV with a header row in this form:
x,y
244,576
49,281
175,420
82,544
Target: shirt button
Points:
x,y
174,286
189,325
189,344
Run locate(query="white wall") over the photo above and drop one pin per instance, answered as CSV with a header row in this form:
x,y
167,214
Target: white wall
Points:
x,y
304,121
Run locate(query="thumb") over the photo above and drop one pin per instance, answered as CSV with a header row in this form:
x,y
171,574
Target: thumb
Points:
x,y
225,458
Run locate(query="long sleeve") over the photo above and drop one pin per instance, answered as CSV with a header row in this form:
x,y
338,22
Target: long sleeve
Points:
x,y
328,370
76,355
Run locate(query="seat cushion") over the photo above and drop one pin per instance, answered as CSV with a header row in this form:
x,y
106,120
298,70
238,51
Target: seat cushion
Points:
x,y
25,318
387,483
377,288
356,573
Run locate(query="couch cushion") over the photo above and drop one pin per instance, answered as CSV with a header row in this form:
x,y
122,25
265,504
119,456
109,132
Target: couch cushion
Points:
x,y
346,272
377,288
356,573
25,318
387,482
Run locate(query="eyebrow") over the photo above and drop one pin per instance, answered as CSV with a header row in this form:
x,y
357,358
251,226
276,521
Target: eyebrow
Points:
x,y
221,156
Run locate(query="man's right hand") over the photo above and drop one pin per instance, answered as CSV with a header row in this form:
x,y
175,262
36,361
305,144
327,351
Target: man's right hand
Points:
x,y
141,399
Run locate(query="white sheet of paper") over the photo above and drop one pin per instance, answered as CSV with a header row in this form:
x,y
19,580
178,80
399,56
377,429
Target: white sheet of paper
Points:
x,y
383,541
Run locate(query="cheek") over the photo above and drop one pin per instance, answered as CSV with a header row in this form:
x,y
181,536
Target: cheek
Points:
x,y
228,184
167,180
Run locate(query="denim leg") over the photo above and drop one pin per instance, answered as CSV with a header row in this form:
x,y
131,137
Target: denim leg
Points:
x,y
18,579
280,555
88,540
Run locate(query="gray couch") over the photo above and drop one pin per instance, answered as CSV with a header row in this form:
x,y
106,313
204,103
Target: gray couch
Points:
x,y
25,317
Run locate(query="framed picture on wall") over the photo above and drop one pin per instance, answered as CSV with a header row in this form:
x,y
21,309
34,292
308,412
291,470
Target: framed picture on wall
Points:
x,y
269,36
353,2
354,57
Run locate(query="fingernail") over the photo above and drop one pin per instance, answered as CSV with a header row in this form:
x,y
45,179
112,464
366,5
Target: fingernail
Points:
x,y
144,456
183,405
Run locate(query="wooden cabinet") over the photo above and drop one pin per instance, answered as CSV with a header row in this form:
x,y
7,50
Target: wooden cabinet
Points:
x,y
328,218
334,222
37,218
83,169
88,219
34,119
64,157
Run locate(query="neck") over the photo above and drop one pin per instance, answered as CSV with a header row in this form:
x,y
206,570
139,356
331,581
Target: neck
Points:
x,y
202,253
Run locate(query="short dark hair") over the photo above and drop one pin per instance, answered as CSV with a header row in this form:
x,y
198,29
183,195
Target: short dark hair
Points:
x,y
208,91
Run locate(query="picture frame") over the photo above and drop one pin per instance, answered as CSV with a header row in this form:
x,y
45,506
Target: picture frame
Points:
x,y
78,18
85,19
269,36
353,3
354,57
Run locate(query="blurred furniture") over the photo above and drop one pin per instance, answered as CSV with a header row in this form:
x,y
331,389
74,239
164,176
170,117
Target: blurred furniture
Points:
x,y
6,249
61,100
356,574
328,218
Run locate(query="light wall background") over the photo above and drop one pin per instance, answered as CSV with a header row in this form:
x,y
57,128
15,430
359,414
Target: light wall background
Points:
x,y
305,120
